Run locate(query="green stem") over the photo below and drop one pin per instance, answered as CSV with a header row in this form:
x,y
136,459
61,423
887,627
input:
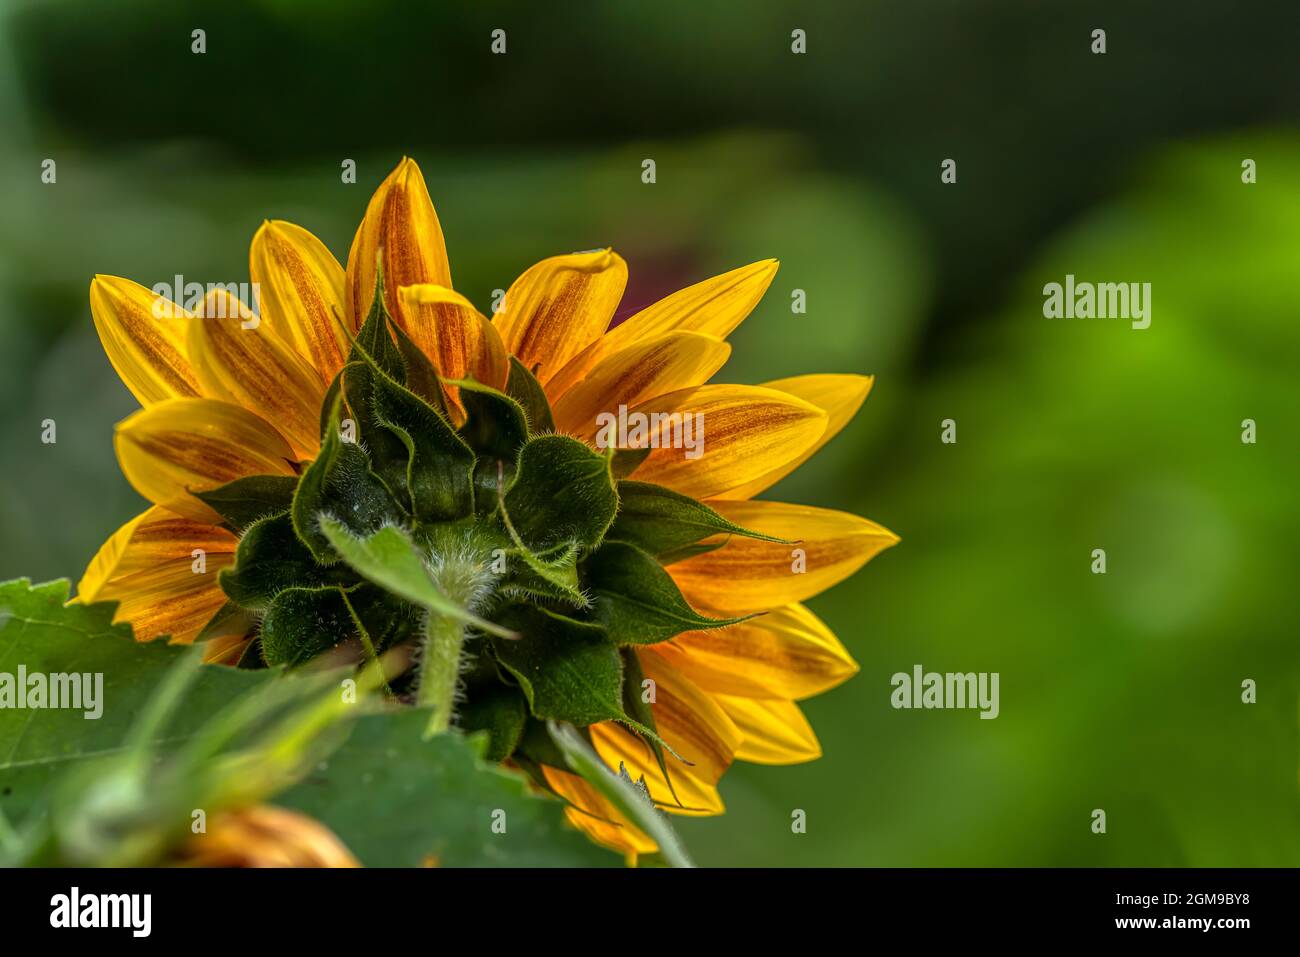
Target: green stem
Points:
x,y
443,638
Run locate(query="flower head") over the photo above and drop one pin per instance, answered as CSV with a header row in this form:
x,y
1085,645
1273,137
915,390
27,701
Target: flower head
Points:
x,y
559,516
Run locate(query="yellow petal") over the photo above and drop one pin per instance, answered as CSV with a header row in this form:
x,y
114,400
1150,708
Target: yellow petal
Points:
x,y
787,653
839,396
679,360
690,721
156,538
226,649
746,432
747,575
775,731
302,294
144,336
240,362
558,307
171,598
456,336
713,307
401,226
596,817
180,445
689,794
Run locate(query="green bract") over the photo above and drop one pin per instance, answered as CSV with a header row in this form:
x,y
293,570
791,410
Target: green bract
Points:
x,y
520,564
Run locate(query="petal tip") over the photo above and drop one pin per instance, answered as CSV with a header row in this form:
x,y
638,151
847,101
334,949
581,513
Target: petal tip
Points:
x,y
408,170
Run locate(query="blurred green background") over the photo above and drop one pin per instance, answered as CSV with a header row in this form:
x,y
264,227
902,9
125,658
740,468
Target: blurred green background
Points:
x,y
1119,692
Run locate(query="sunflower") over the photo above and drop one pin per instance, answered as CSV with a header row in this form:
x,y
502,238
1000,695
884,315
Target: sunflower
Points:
x,y
369,461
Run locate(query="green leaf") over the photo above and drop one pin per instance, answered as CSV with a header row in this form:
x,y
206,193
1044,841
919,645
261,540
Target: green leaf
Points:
x,y
43,635
497,710
390,560
543,577
689,551
421,376
523,387
387,619
562,494
398,801
374,342
661,521
252,656
535,745
270,558
375,355
385,452
567,669
245,500
637,601
495,428
415,450
327,404
623,462
339,482
303,623
495,424
439,466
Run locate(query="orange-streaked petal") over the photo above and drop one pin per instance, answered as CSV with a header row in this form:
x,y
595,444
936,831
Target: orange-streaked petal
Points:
x,y
171,598
558,307
183,445
787,653
774,731
713,307
747,575
596,817
155,538
401,226
456,336
747,432
839,396
240,362
679,360
144,335
301,292
689,794
690,721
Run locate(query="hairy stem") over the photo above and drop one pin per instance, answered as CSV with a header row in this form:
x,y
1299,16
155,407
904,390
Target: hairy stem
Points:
x,y
443,638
